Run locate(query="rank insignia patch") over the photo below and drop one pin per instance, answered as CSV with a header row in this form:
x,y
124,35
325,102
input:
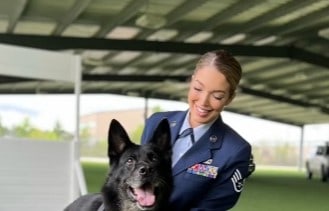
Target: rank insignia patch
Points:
x,y
237,181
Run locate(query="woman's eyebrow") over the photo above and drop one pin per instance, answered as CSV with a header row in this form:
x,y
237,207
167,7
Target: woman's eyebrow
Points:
x,y
221,91
196,80
217,91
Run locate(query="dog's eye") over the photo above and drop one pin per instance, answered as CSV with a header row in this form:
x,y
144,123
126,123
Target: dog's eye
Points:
x,y
130,161
152,157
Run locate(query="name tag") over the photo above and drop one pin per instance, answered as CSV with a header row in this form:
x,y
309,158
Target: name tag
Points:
x,y
203,170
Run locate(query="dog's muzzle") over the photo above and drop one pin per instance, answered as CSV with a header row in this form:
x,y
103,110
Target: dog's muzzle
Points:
x,y
144,195
141,192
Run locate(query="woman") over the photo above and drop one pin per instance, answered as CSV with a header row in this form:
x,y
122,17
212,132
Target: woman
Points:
x,y
210,164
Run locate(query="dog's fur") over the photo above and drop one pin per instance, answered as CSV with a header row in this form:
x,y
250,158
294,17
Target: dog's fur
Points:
x,y
139,177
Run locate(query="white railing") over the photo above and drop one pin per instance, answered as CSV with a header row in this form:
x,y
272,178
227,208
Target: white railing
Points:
x,y
39,175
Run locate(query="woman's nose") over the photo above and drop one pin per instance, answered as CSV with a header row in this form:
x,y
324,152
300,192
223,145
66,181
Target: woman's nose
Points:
x,y
204,98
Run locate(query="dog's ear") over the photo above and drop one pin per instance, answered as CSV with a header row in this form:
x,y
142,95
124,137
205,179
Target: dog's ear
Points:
x,y
118,139
161,136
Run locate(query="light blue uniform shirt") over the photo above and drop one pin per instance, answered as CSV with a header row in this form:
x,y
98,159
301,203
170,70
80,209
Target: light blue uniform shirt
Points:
x,y
182,144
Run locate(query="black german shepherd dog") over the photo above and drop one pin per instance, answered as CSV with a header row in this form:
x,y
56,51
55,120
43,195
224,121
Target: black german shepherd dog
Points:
x,y
139,177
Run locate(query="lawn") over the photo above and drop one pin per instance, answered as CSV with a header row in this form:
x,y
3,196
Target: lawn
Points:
x,y
284,190
265,190
95,174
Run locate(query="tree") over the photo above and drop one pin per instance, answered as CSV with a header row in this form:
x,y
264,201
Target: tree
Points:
x,y
23,129
85,134
156,109
58,129
3,129
136,134
26,130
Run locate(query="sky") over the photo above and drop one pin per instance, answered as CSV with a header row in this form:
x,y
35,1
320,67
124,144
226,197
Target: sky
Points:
x,y
44,110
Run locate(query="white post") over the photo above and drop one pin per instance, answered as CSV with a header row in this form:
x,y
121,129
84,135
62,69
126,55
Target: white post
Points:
x,y
77,166
301,150
77,91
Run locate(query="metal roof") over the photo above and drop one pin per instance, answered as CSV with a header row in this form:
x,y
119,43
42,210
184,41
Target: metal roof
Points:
x,y
149,48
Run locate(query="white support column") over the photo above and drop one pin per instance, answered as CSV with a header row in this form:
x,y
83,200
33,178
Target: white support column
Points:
x,y
301,150
77,165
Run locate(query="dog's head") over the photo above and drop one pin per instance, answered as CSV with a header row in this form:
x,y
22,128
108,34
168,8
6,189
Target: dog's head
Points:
x,y
140,175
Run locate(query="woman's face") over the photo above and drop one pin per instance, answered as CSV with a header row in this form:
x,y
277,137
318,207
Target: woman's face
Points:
x,y
207,96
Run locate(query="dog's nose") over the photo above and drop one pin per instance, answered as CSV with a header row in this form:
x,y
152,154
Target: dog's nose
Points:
x,y
143,170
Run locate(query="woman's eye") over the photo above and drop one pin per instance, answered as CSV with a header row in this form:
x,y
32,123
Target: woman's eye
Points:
x,y
197,89
218,96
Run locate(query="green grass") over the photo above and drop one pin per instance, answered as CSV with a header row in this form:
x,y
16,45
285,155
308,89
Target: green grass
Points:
x,y
283,190
265,190
95,174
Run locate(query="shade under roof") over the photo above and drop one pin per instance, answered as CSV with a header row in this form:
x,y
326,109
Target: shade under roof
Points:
x,y
150,47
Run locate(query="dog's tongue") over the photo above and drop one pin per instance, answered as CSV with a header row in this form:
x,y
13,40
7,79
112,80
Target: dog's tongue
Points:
x,y
145,197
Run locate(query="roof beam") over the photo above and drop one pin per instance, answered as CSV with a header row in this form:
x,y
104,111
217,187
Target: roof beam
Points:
x,y
218,18
303,22
285,121
286,31
78,7
259,21
157,78
127,13
60,43
175,15
15,15
133,78
283,99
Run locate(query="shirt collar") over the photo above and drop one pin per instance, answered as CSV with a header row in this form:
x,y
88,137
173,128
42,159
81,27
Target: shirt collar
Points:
x,y
197,131
186,123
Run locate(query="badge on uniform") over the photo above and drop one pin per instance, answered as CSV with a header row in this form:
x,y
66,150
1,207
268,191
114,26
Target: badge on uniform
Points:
x,y
172,123
237,181
208,162
203,170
